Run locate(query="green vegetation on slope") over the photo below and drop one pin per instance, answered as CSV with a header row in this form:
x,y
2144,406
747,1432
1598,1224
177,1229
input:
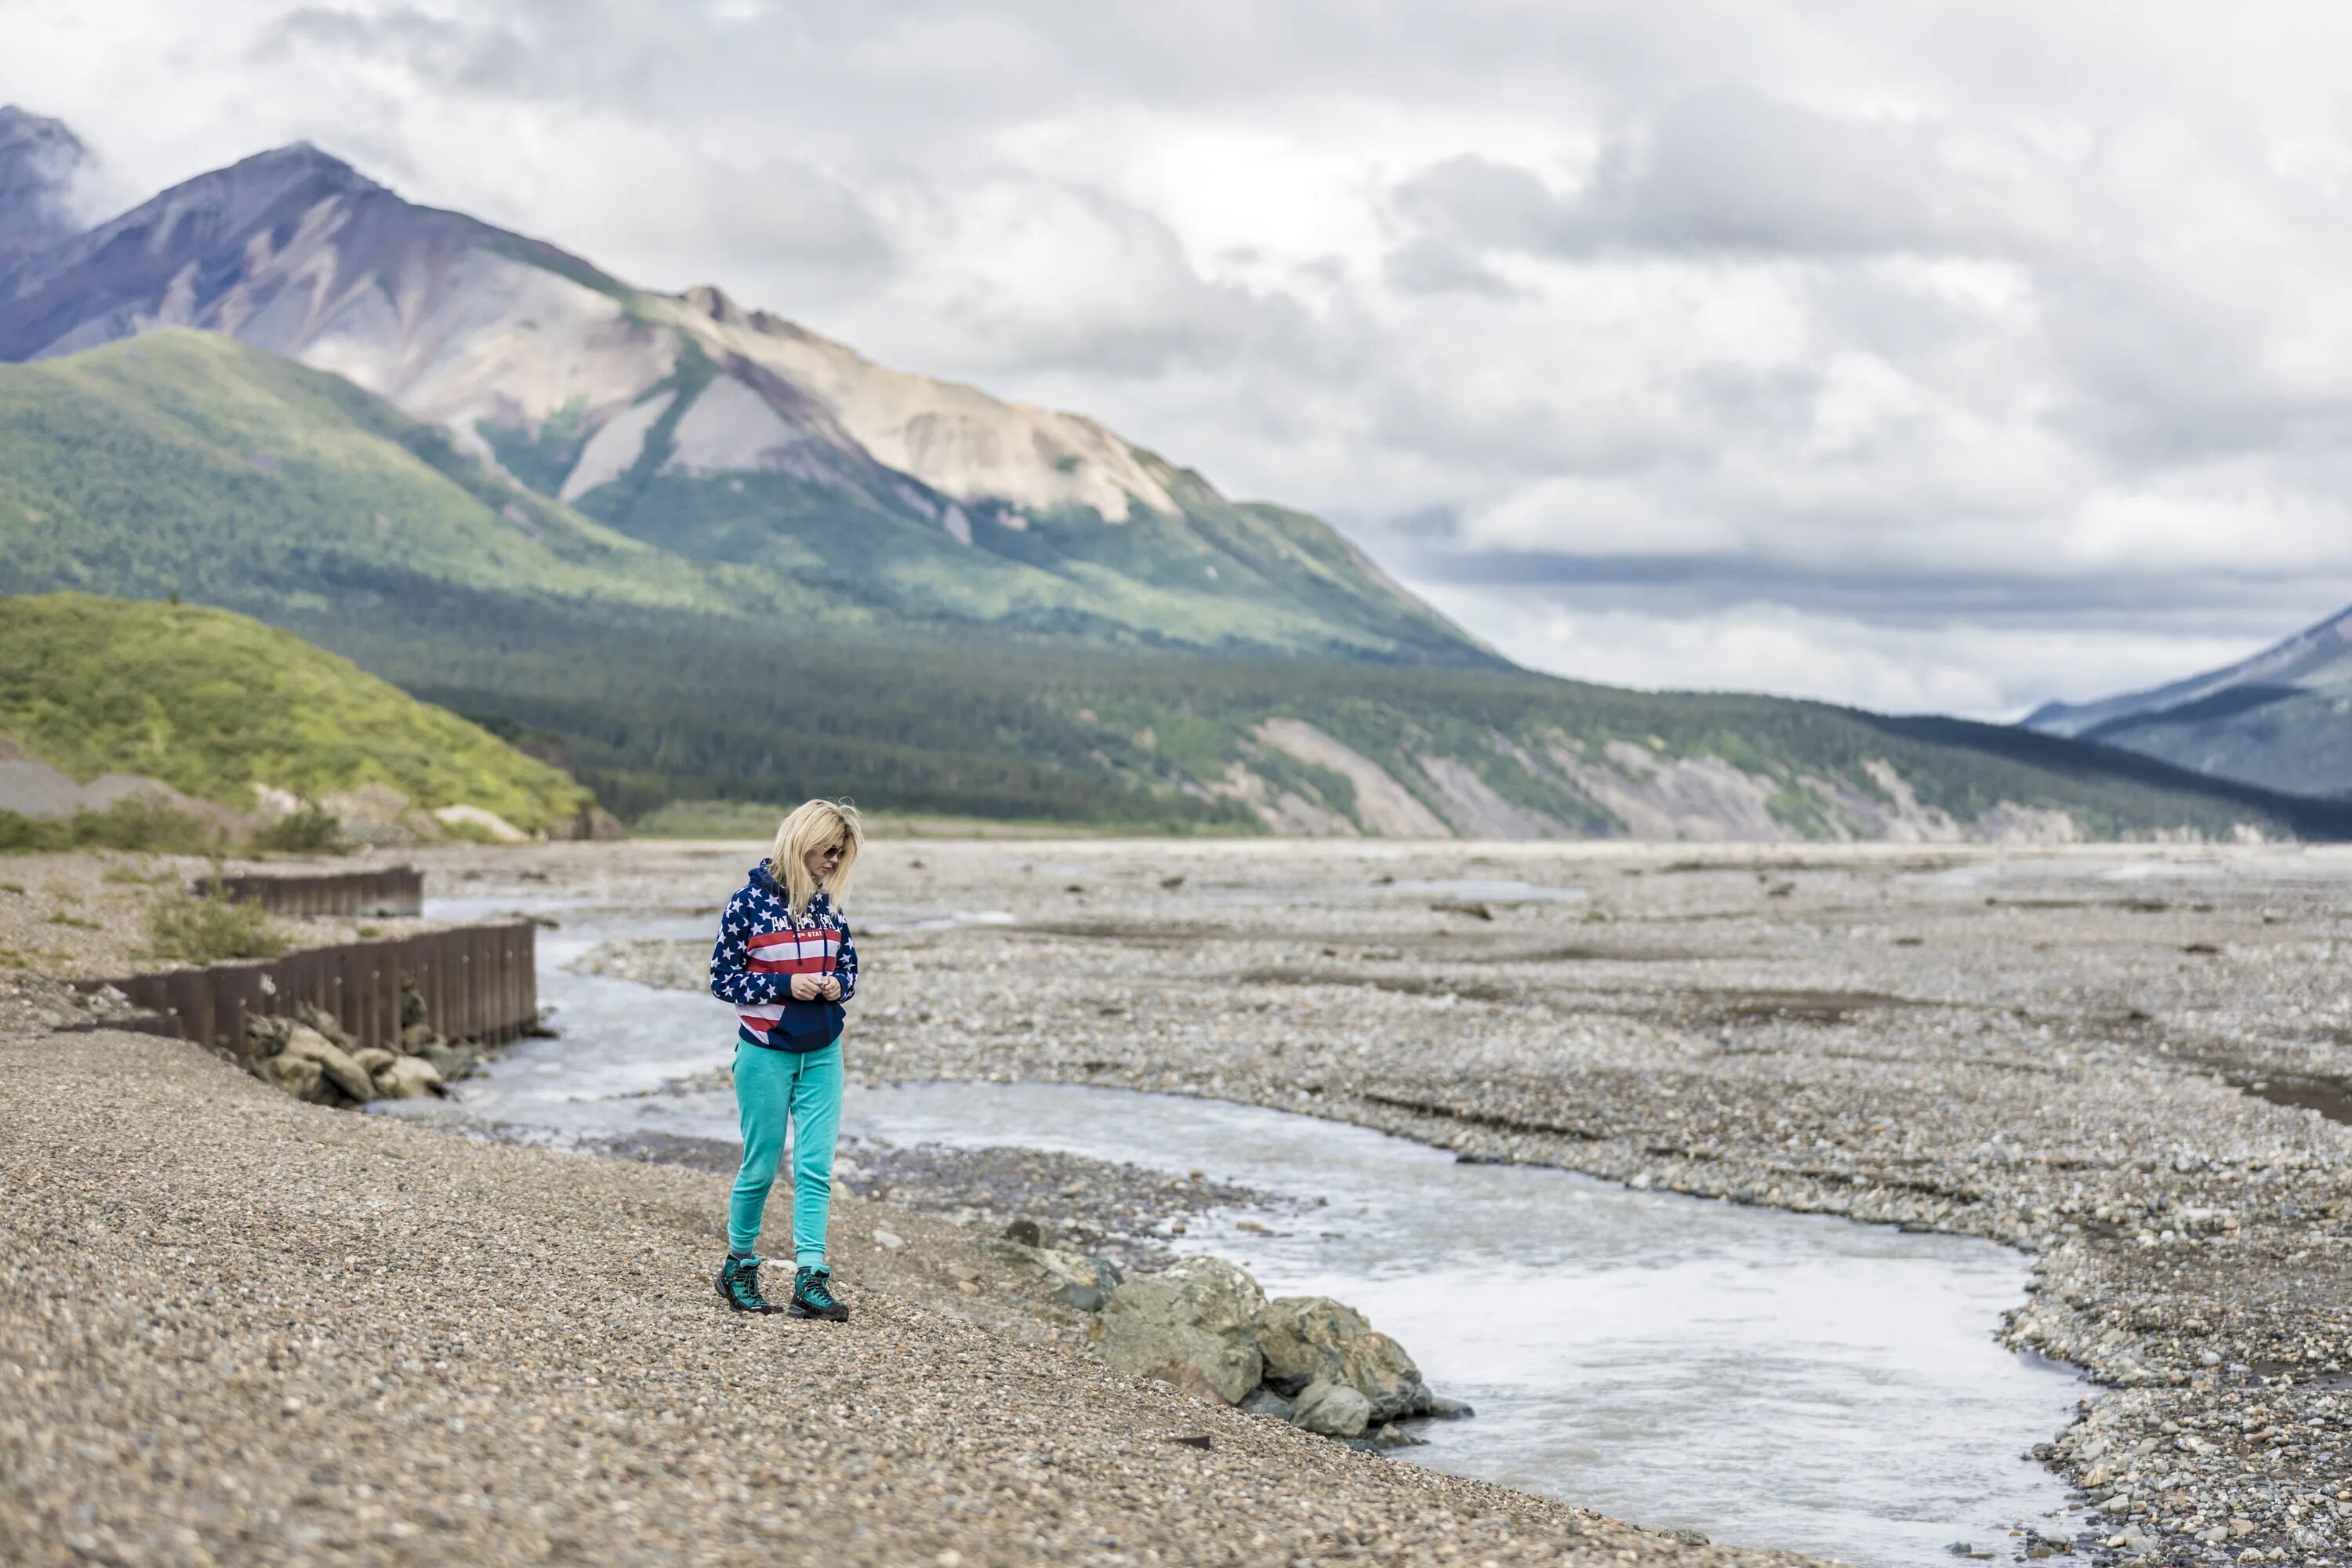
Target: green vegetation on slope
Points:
x,y
183,462
212,703
2281,719
139,825
1210,576
754,642
186,462
2279,737
1028,729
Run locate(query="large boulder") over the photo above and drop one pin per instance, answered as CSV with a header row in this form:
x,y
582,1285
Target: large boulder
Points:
x,y
301,1040
1333,1409
451,1061
326,1023
1077,1268
300,1077
1197,1313
407,1077
1306,1340
1186,1378
1079,1281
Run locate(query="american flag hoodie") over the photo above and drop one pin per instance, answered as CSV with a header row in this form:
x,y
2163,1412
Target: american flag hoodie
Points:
x,y
761,947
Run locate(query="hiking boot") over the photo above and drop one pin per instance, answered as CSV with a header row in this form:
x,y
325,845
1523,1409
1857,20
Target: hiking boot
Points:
x,y
813,1297
739,1285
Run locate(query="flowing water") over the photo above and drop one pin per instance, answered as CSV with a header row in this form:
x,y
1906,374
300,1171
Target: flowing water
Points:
x,y
1769,1379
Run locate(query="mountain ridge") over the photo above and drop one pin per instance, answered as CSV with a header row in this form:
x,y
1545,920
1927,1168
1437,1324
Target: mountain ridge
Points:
x,y
39,160
2280,718
727,433
515,484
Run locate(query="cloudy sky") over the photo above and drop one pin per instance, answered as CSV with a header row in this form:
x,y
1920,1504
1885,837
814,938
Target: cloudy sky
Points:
x,y
1927,355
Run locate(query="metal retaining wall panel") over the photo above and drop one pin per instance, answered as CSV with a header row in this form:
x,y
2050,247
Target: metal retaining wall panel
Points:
x,y
396,890
479,983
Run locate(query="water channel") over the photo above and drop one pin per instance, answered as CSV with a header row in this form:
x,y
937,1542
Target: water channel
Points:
x,y
1769,1379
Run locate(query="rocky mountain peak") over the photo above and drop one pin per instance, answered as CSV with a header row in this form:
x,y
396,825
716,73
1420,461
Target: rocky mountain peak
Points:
x,y
709,299
19,125
298,166
185,256
40,157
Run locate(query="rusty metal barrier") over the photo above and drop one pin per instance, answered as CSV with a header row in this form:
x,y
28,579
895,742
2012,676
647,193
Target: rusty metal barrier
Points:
x,y
396,890
479,983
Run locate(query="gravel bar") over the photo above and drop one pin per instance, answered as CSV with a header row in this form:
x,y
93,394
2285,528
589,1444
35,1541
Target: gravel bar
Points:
x,y
2133,1062
237,1328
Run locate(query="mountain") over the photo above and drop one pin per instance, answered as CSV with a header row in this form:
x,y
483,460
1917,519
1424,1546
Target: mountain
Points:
x,y
696,552
188,463
38,161
2281,719
725,436
214,705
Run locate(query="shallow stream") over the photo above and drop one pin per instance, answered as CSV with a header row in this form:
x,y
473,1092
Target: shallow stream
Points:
x,y
1769,1379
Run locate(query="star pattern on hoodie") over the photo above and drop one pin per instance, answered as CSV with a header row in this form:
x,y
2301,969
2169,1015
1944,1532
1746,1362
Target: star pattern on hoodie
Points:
x,y
760,909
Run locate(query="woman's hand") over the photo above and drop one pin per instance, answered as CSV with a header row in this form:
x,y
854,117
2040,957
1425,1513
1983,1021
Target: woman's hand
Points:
x,y
808,987
829,986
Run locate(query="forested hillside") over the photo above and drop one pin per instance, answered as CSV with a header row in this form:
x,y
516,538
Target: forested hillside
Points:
x,y
187,463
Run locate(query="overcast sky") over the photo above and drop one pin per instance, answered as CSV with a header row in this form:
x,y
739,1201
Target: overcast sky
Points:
x,y
1919,355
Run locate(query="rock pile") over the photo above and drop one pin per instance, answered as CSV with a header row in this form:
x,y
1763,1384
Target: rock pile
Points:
x,y
1204,1325
453,1059
313,1058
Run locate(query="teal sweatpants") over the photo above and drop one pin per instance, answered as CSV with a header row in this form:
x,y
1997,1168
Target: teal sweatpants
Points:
x,y
774,1091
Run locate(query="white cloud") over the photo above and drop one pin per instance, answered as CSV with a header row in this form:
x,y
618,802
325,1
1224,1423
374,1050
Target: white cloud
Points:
x,y
1956,354
1940,665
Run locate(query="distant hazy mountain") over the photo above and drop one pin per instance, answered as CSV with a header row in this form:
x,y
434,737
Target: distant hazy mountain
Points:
x,y
38,161
724,434
2282,719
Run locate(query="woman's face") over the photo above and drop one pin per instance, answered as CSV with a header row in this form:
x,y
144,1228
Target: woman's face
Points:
x,y
823,859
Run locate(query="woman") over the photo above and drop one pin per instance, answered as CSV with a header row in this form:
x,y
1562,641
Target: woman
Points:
x,y
785,961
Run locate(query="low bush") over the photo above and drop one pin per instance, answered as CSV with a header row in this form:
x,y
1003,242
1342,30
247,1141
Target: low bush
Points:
x,y
309,830
208,927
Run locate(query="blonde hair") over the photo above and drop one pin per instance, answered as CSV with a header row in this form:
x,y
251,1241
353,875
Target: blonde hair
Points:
x,y
815,824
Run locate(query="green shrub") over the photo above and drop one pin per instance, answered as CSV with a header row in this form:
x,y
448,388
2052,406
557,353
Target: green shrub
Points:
x,y
134,825
209,926
311,830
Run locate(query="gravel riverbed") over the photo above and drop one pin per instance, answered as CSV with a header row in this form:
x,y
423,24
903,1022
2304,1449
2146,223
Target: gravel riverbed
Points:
x,y
2117,1057
1101,1207
238,1328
